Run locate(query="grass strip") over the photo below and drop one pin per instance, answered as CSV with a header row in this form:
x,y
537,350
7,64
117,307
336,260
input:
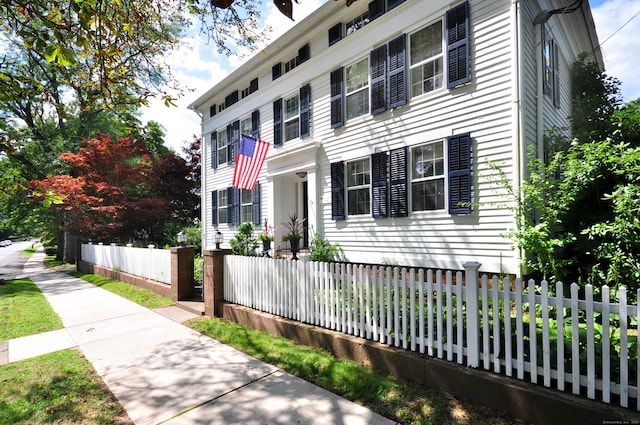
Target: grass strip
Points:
x,y
59,388
382,393
24,310
144,297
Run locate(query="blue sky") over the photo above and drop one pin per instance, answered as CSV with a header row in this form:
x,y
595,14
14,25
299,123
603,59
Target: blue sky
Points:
x,y
199,68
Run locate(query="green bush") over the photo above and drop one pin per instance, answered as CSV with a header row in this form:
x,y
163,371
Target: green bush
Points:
x,y
323,250
244,243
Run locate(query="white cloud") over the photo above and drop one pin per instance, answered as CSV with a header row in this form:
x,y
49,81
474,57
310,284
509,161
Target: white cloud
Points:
x,y
618,27
196,70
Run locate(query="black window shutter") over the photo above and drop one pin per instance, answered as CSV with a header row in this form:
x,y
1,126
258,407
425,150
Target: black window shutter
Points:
x,y
378,68
398,182
255,204
253,85
457,35
397,72
277,122
379,184
304,54
335,34
376,9
337,191
231,191
255,124
233,141
231,99
214,208
276,71
394,3
213,110
305,111
214,150
337,99
229,143
459,174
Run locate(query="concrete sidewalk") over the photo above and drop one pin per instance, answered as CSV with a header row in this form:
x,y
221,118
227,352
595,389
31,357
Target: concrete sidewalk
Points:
x,y
165,373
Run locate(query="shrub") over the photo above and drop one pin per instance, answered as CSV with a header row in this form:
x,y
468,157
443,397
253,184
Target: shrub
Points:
x,y
244,243
323,250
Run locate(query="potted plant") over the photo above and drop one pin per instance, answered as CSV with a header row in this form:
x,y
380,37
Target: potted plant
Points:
x,y
294,233
266,238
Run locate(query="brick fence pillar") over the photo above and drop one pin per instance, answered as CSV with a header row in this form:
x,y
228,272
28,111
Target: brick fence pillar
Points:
x,y
181,273
213,285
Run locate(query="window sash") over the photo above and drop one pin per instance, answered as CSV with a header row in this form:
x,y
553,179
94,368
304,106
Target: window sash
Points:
x,y
427,177
222,147
357,88
427,59
222,206
359,187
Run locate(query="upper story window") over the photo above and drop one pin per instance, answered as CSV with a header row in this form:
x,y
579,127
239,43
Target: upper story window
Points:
x,y
357,23
291,117
357,88
551,80
246,127
427,182
359,187
222,147
426,59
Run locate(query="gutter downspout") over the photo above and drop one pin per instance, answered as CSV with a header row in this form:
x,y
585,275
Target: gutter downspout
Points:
x,y
517,90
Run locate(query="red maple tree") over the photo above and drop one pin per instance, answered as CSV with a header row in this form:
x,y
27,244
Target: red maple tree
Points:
x,y
117,190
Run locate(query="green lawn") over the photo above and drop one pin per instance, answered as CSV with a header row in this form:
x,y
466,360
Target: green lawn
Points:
x,y
59,388
24,310
144,297
382,393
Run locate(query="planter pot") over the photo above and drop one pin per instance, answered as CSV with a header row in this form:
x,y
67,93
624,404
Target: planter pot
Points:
x,y
295,247
266,246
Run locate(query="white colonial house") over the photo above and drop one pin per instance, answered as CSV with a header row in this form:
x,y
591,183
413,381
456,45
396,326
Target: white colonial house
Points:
x,y
384,120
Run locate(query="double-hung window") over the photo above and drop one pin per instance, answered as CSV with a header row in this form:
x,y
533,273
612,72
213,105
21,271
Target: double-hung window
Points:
x,y
246,206
222,147
222,206
245,127
426,59
357,88
291,117
427,177
359,187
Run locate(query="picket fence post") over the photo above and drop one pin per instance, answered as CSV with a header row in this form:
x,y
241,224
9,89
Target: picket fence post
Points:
x,y
473,323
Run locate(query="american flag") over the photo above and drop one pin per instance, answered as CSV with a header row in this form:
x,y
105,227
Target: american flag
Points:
x,y
251,155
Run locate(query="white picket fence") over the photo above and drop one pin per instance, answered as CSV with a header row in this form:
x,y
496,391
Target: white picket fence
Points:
x,y
526,331
149,263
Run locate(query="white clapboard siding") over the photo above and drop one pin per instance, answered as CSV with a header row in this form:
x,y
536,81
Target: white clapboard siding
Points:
x,y
543,333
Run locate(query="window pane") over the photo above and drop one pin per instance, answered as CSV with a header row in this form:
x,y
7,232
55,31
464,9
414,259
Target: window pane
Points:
x,y
426,59
357,75
222,206
358,173
358,104
427,195
426,77
427,175
291,129
359,201
291,107
245,127
427,161
426,43
222,151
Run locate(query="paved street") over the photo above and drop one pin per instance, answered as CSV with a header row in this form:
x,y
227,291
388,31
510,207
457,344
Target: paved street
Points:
x,y
11,261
